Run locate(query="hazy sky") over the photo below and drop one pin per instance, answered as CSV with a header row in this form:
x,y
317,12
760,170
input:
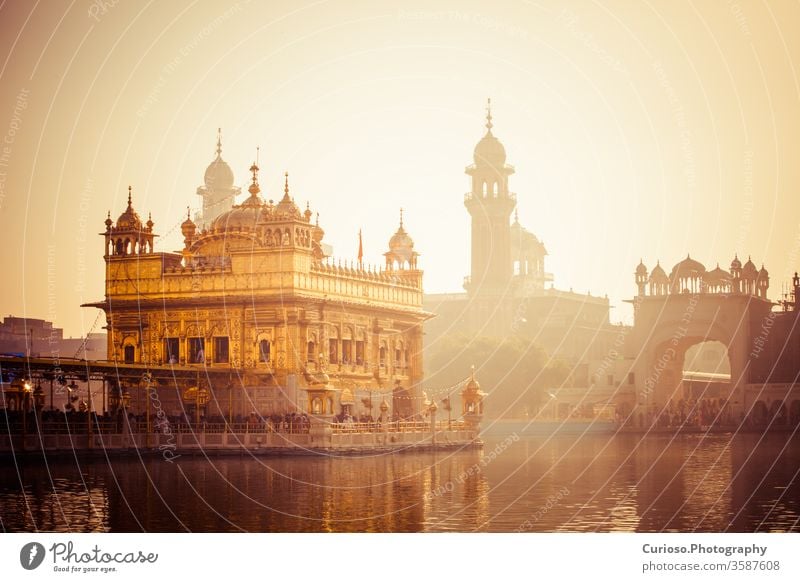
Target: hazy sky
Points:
x,y
638,129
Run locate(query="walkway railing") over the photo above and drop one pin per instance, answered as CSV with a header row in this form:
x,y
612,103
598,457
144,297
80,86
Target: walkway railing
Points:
x,y
162,426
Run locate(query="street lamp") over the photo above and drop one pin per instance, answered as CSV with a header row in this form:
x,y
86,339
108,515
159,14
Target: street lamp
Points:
x,y
26,395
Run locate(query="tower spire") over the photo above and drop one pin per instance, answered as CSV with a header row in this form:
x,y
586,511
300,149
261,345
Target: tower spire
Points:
x,y
401,219
219,142
130,200
286,185
489,124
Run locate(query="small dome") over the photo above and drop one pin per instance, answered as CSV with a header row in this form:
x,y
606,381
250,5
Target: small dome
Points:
x,y
749,269
763,272
401,241
129,220
717,276
188,227
286,206
641,269
688,268
219,175
490,151
736,263
472,384
317,232
659,275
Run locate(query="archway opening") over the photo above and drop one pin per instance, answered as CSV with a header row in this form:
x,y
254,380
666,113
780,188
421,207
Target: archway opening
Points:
x,y
692,384
706,384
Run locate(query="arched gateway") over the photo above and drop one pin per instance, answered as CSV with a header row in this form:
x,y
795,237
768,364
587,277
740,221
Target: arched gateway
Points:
x,y
687,307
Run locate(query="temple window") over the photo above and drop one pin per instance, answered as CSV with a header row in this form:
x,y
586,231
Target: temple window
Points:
x,y
129,354
197,350
264,351
346,351
221,350
333,351
311,355
359,352
171,350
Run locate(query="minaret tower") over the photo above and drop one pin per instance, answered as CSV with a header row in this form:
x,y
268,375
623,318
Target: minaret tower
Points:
x,y
218,192
490,205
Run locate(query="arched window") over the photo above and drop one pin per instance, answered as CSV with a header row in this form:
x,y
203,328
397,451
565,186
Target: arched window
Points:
x,y
129,353
311,352
382,355
264,351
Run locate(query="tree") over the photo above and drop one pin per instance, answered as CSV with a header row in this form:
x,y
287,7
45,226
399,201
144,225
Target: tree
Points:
x,y
514,371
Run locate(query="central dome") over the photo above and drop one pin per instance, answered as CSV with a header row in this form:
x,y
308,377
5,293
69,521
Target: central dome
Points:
x,y
246,215
688,268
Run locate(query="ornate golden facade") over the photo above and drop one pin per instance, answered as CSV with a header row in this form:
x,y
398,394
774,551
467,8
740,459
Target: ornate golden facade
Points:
x,y
253,294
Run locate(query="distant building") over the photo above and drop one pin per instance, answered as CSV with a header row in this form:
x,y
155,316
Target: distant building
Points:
x,y
32,337
218,192
507,290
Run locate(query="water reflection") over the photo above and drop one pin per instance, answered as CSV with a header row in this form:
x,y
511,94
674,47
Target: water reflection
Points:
x,y
591,483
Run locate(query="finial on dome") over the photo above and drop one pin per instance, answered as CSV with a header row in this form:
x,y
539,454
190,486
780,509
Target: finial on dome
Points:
x,y
188,214
489,124
254,189
317,219
286,184
130,202
219,142
401,218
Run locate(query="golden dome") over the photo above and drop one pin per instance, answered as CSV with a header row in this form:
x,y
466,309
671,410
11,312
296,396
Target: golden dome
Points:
x,y
287,206
245,215
401,241
641,269
472,384
317,232
188,227
129,220
736,263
